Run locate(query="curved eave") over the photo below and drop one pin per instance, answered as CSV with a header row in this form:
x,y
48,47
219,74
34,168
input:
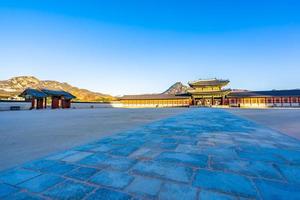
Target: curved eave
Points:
x,y
193,92
208,83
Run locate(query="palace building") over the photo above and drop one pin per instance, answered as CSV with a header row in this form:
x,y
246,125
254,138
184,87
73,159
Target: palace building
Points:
x,y
208,92
211,93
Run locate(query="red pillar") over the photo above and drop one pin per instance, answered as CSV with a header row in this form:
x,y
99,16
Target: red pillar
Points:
x,y
55,103
32,103
39,104
45,102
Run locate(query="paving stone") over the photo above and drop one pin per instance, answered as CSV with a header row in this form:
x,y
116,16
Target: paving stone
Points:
x,y
69,190
291,173
40,164
237,149
276,190
222,152
224,182
61,155
144,186
82,173
248,168
160,145
169,140
119,163
260,156
292,156
60,168
77,156
94,160
87,147
167,146
23,196
164,170
184,158
41,183
104,148
16,176
172,191
209,195
186,148
145,153
6,190
104,140
106,194
112,179
124,150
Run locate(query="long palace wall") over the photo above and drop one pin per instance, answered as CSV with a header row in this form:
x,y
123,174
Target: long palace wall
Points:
x,y
249,102
260,102
154,103
6,105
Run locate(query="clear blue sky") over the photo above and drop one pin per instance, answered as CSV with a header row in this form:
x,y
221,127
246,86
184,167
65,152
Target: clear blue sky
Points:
x,y
131,47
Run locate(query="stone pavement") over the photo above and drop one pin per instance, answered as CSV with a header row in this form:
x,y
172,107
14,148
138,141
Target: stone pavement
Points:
x,y
202,154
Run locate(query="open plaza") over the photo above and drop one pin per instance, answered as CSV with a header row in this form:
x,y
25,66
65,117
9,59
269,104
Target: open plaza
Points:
x,y
167,153
149,100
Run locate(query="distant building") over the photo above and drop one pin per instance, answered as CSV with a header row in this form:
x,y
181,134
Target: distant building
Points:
x,y
208,92
38,98
271,98
211,92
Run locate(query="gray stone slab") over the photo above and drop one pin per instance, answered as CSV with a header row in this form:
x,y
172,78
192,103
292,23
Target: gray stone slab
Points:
x,y
145,186
172,191
69,190
41,183
225,182
163,170
16,176
76,156
112,179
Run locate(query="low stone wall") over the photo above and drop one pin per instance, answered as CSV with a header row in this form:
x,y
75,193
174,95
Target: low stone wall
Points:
x,y
86,105
6,105
14,105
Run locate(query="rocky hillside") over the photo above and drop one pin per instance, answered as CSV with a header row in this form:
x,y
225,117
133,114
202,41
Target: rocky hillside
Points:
x,y
10,89
177,88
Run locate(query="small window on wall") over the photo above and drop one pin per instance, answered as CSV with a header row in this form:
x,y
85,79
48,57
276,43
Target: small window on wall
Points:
x,y
286,100
277,100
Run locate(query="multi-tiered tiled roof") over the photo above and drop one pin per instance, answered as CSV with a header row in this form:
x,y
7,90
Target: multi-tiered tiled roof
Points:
x,y
208,82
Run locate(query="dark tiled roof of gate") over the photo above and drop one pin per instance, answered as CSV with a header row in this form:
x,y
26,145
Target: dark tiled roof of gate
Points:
x,y
270,93
37,93
65,94
34,93
152,96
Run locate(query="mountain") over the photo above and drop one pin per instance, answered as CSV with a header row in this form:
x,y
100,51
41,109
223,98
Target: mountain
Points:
x,y
11,88
176,88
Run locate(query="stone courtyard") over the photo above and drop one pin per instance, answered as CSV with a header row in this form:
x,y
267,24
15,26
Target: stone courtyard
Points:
x,y
200,154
